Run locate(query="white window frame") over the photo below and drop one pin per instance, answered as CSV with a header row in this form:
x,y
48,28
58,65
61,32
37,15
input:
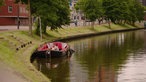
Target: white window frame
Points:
x,y
10,9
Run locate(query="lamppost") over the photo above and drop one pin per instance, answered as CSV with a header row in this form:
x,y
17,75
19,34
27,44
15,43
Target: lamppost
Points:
x,y
18,18
40,27
30,21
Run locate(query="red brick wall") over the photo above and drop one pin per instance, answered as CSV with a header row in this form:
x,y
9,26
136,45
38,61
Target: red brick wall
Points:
x,y
22,9
7,18
13,21
7,21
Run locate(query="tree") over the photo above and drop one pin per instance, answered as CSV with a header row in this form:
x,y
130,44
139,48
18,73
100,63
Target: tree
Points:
x,y
53,13
139,12
109,6
62,14
92,9
135,12
123,11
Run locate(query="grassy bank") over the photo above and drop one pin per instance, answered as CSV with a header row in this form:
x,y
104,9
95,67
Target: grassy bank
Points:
x,y
18,60
16,56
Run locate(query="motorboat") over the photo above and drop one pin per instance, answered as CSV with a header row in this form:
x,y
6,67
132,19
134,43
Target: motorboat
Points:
x,y
52,50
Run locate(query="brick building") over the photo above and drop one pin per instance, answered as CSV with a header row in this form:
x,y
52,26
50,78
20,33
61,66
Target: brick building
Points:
x,y
11,13
143,2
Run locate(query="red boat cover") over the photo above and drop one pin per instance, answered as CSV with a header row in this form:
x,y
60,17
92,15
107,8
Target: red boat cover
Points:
x,y
47,46
59,44
43,48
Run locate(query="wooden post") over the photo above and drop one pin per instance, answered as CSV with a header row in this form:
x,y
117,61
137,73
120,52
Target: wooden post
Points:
x,y
30,21
40,28
18,18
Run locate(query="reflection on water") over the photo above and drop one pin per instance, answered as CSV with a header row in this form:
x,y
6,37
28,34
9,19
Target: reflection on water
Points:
x,y
56,69
117,57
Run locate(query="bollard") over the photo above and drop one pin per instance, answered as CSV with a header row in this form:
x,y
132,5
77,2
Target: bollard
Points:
x,y
22,46
17,49
30,42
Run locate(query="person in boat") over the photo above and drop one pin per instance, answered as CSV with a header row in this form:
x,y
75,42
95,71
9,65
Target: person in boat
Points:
x,y
55,48
61,46
58,44
50,45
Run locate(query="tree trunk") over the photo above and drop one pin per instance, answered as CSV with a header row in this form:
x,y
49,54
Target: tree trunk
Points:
x,y
37,30
99,21
84,22
109,24
92,24
30,21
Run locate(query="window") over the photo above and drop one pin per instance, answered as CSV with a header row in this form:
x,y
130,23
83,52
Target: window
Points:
x,y
21,11
75,17
10,9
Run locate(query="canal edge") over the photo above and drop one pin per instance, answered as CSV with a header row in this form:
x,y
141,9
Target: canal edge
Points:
x,y
79,36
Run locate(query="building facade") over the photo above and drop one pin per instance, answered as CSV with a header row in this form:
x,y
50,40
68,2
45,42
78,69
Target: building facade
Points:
x,y
75,15
12,13
143,2
78,15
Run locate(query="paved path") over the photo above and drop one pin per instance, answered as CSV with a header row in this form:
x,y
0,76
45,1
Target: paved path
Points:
x,y
7,28
12,28
9,75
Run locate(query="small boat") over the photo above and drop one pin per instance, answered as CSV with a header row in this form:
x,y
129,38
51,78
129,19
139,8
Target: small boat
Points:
x,y
52,50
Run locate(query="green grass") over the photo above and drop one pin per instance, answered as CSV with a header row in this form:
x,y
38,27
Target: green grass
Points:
x,y
83,30
20,60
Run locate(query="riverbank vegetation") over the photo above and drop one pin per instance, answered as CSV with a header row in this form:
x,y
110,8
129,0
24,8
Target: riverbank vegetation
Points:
x,y
56,13
115,11
16,46
52,13
19,59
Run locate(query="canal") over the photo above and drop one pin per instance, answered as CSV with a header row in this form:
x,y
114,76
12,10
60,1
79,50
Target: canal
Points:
x,y
118,57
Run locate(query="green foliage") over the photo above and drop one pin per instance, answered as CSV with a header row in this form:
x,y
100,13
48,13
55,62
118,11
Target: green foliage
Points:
x,y
91,8
1,2
24,1
127,11
139,11
62,14
53,13
117,11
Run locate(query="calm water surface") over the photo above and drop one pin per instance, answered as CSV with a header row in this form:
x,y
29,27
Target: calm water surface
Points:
x,y
119,57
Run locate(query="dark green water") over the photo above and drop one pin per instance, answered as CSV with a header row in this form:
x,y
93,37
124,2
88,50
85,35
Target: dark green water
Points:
x,y
119,57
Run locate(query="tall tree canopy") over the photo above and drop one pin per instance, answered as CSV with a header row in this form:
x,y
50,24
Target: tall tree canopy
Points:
x,y
53,13
123,11
116,11
92,9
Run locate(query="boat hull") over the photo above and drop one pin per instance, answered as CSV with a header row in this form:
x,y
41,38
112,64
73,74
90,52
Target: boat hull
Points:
x,y
49,54
52,54
52,50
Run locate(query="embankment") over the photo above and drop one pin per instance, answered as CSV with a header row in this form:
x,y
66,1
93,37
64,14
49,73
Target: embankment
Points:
x,y
16,48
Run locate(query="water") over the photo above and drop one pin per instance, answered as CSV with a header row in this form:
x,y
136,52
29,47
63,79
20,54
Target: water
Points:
x,y
119,57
